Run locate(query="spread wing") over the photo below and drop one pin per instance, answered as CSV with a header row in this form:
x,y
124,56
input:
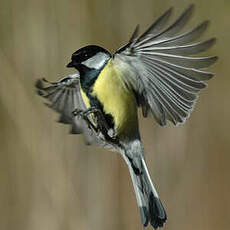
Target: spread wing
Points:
x,y
160,68
64,97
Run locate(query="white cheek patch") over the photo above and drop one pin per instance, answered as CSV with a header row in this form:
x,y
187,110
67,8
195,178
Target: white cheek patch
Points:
x,y
97,61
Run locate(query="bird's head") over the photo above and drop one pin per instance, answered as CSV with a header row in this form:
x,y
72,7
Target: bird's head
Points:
x,y
89,58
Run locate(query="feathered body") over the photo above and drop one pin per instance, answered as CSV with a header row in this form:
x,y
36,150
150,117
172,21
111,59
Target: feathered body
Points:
x,y
117,100
155,71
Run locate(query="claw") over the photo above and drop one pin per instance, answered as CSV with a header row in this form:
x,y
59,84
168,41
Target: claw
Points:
x,y
77,112
111,133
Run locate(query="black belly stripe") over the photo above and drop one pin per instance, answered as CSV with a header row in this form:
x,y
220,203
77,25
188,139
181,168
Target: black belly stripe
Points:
x,y
94,102
87,79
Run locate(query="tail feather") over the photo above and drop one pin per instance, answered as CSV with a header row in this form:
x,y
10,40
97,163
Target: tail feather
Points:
x,y
151,208
157,213
144,216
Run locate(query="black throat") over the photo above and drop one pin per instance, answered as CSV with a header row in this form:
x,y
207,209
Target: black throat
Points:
x,y
87,77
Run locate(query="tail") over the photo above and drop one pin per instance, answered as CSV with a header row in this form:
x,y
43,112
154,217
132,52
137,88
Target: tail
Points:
x,y
151,208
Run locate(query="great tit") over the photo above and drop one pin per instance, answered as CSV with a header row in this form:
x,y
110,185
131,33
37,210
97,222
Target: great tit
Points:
x,y
156,72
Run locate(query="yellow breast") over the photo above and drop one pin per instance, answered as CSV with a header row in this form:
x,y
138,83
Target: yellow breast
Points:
x,y
116,99
85,98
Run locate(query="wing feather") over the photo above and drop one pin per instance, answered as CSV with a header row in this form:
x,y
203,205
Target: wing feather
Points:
x,y
64,96
187,62
177,94
159,67
190,73
171,30
184,49
156,27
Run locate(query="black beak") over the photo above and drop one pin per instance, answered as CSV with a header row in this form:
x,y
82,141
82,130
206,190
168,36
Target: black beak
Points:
x,y
70,65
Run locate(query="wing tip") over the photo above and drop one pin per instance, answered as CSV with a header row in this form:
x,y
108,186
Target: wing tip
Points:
x,y
38,84
206,22
39,87
135,33
40,93
191,6
211,42
189,10
213,59
210,76
169,11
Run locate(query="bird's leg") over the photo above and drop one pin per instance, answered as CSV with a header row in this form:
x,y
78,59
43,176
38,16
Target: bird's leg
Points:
x,y
84,116
102,124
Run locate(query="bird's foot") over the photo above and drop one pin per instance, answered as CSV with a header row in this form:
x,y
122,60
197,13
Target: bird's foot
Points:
x,y
102,125
84,114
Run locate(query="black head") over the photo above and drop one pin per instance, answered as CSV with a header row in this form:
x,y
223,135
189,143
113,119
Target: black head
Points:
x,y
91,57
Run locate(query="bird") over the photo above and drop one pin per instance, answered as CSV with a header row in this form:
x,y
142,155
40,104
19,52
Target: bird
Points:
x,y
158,72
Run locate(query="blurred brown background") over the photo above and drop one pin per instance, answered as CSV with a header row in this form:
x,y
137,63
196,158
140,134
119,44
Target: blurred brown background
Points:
x,y
50,180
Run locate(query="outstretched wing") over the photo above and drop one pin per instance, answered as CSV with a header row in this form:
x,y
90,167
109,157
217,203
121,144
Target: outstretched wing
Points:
x,y
64,97
159,67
